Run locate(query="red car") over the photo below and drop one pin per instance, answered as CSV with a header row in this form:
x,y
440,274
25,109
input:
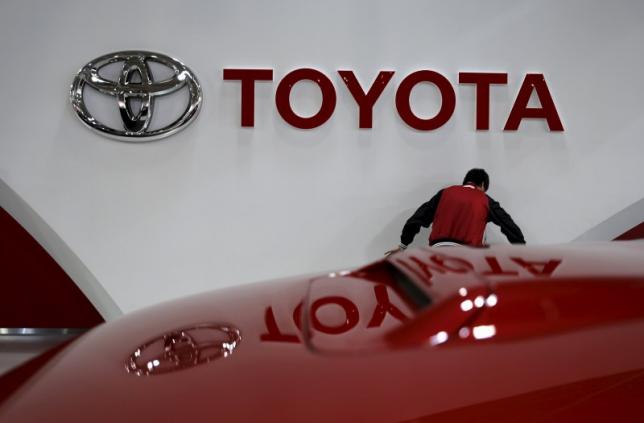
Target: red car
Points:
x,y
507,333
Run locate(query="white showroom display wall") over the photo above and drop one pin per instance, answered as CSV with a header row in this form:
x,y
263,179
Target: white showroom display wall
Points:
x,y
220,204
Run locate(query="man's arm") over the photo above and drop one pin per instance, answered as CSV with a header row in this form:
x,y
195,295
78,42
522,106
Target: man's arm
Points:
x,y
500,217
423,217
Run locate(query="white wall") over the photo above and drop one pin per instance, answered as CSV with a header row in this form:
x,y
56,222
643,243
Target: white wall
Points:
x,y
218,204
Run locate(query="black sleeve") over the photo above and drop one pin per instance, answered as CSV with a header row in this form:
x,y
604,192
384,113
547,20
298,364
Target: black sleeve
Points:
x,y
500,217
423,217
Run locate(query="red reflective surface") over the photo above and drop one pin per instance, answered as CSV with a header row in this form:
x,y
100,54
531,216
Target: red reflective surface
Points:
x,y
510,333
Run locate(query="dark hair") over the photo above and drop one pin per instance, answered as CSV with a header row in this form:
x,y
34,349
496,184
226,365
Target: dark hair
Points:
x,y
477,177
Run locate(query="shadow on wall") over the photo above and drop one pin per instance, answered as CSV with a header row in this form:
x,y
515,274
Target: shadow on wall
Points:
x,y
389,235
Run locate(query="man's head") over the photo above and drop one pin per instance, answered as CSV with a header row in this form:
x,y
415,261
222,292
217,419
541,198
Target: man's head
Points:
x,y
478,177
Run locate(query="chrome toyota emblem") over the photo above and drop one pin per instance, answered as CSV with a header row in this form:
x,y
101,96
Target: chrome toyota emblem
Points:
x,y
183,348
136,83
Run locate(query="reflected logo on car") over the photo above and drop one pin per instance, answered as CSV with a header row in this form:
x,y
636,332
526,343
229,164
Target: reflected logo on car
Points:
x,y
184,348
136,88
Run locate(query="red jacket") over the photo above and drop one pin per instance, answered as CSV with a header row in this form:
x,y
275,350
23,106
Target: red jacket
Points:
x,y
459,214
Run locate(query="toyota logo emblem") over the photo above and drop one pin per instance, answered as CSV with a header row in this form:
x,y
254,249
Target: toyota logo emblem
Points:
x,y
136,82
183,348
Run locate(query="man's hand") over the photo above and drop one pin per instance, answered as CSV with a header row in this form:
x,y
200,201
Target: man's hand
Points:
x,y
395,250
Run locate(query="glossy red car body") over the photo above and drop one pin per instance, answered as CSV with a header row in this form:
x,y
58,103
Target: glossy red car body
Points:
x,y
508,333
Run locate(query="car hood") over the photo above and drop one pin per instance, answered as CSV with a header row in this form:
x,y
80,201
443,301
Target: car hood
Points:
x,y
258,356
